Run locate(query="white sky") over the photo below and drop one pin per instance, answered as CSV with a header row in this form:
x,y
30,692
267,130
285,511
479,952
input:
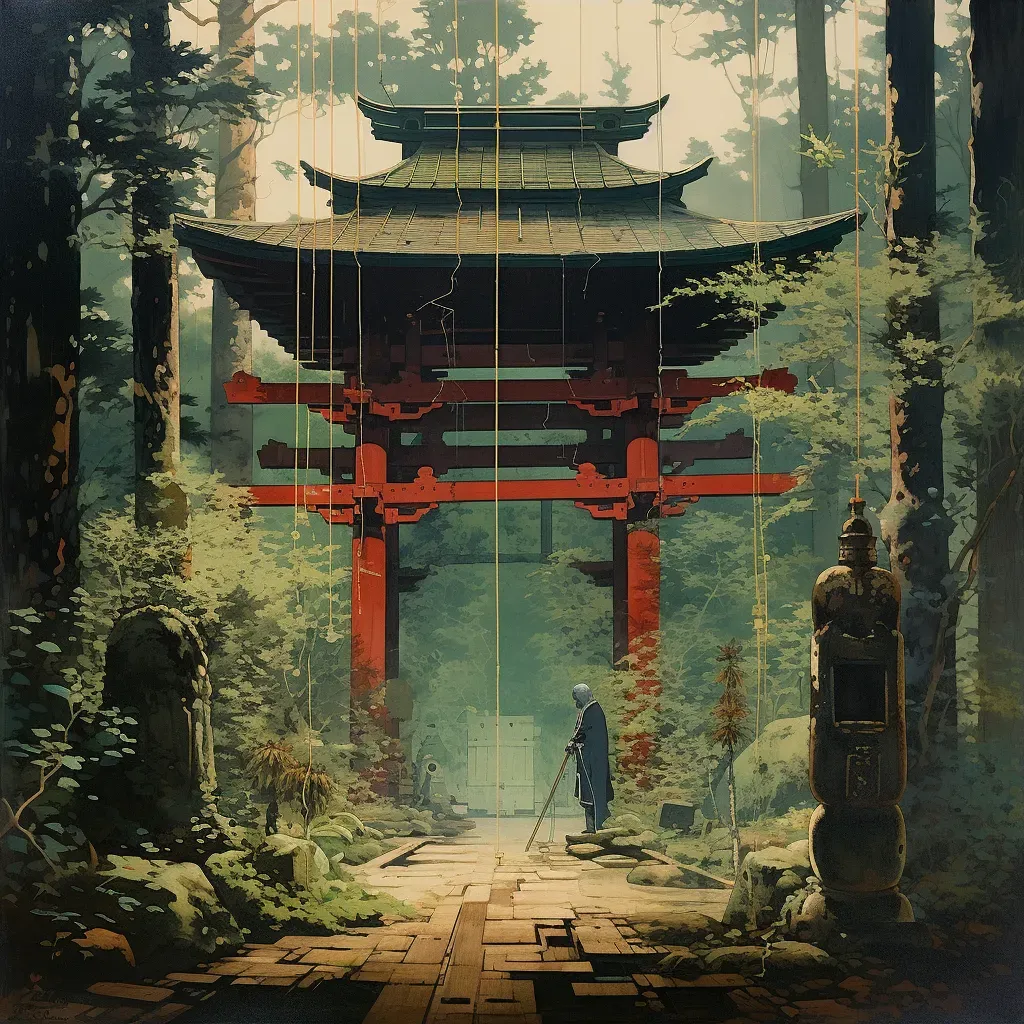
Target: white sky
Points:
x,y
571,36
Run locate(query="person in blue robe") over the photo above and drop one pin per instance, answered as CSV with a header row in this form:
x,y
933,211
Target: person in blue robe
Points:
x,y
590,744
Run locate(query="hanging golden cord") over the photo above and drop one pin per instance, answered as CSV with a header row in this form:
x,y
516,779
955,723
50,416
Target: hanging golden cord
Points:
x,y
759,553
661,232
298,259
330,349
856,233
357,576
497,571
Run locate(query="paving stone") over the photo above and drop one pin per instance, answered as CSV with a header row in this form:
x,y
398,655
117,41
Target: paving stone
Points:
x,y
195,979
416,974
328,941
167,1011
332,958
540,912
125,990
400,1004
497,913
426,950
604,988
394,942
269,970
386,956
509,932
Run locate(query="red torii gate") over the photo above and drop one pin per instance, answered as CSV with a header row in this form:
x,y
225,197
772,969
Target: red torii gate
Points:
x,y
399,292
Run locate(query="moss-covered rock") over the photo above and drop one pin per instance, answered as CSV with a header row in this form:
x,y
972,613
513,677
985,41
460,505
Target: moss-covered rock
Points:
x,y
268,908
682,927
168,912
768,878
771,775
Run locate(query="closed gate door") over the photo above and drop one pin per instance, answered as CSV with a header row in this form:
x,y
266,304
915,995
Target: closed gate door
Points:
x,y
516,753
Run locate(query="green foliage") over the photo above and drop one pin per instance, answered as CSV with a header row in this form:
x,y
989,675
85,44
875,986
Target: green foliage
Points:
x,y
616,86
421,67
261,602
731,711
269,909
58,739
824,152
965,834
153,126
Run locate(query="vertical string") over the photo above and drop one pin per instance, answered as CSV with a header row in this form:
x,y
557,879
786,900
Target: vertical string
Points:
x,y
497,572
661,235
330,345
856,233
760,555
360,453
298,260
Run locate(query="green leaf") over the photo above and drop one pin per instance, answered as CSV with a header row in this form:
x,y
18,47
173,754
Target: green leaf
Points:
x,y
20,679
66,782
41,733
49,646
61,691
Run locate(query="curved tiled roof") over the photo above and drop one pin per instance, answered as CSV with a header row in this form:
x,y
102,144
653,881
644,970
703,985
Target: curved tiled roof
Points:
x,y
412,125
530,172
536,234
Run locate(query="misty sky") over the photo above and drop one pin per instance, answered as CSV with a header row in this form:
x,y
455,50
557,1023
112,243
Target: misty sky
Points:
x,y
571,36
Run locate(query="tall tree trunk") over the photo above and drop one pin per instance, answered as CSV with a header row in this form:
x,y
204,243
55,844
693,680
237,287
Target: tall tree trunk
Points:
x,y
998,198
812,91
40,282
915,525
235,199
158,502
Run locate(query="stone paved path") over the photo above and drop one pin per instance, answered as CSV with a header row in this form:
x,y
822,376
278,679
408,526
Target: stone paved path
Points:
x,y
504,930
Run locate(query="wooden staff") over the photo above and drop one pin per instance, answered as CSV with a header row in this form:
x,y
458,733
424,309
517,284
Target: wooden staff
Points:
x,y
551,796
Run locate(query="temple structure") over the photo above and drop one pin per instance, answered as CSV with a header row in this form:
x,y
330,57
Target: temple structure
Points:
x,y
528,243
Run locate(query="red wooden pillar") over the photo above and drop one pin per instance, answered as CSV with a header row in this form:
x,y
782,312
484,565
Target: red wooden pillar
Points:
x,y
642,614
369,608
371,624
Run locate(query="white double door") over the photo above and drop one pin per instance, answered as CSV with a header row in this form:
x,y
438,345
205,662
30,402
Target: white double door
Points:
x,y
509,745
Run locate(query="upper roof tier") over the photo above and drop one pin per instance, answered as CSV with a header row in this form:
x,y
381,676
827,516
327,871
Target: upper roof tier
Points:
x,y
414,125
526,172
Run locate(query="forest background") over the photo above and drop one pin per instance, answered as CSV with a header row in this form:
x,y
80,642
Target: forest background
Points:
x,y
168,99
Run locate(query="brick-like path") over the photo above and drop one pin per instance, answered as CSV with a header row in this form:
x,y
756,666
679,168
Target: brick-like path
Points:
x,y
503,929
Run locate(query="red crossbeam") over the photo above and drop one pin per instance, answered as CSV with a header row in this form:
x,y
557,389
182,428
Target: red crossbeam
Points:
x,y
411,398
588,488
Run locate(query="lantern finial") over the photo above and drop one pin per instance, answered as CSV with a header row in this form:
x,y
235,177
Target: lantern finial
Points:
x,y
857,541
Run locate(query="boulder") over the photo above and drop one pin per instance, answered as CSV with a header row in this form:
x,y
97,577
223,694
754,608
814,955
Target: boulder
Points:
x,y
603,836
647,839
99,953
585,850
655,873
771,776
802,848
797,958
682,927
681,963
616,860
745,960
291,861
767,879
167,913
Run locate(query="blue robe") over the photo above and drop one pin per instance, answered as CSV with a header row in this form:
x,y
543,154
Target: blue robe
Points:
x,y
593,777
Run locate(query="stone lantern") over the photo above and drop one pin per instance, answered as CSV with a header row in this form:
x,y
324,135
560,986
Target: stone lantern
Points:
x,y
858,736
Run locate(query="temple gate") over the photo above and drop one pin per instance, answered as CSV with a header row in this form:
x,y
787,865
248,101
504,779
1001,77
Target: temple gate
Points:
x,y
397,293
